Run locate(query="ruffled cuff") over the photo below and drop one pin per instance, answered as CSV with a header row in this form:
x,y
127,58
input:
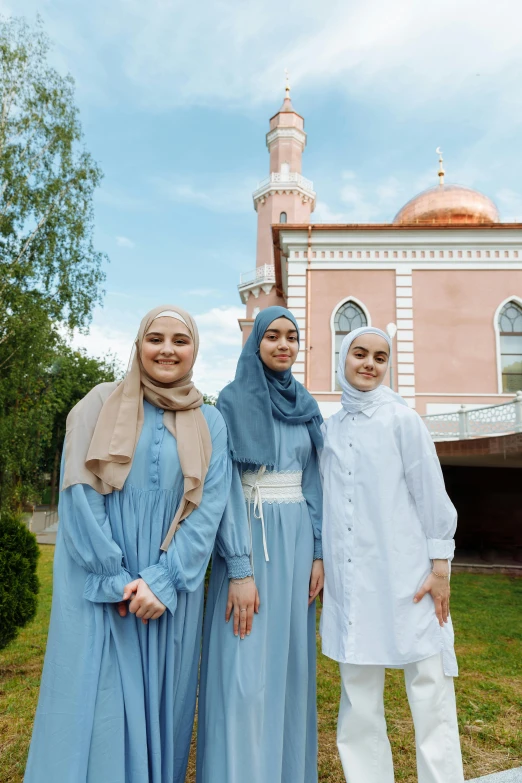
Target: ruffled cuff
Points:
x,y
102,589
239,567
441,548
158,579
318,548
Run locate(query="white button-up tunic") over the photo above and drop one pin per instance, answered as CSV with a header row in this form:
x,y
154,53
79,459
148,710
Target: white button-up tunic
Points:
x,y
386,515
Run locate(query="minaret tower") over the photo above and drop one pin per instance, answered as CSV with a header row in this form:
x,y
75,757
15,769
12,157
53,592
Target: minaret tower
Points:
x,y
284,197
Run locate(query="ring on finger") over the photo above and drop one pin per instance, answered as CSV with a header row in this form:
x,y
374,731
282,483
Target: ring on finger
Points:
x,y
242,610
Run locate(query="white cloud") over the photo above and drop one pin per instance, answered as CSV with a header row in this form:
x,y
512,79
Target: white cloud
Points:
x,y
120,198
363,203
406,53
221,196
510,203
204,292
125,242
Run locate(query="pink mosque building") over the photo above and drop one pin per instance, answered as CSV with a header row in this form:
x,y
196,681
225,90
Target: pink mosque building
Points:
x,y
446,272
444,277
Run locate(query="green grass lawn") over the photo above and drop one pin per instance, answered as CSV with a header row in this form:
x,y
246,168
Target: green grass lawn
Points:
x,y
486,616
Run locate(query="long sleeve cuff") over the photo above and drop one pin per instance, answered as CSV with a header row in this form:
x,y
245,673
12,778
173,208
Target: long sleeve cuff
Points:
x,y
102,589
158,579
441,548
239,567
318,548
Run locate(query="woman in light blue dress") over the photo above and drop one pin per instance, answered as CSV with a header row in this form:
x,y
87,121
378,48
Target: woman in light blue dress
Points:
x,y
118,690
257,717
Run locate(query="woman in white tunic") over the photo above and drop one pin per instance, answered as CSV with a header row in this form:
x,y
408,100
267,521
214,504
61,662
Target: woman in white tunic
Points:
x,y
387,540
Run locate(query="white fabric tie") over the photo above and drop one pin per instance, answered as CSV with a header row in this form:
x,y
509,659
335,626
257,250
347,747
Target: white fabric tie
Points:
x,y
272,487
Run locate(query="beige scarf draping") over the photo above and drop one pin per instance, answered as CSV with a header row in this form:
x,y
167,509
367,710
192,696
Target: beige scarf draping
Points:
x,y
103,428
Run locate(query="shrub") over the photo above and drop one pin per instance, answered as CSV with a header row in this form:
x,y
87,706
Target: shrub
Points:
x,y
18,581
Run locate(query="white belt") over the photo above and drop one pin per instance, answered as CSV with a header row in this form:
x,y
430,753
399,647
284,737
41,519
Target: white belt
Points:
x,y
261,487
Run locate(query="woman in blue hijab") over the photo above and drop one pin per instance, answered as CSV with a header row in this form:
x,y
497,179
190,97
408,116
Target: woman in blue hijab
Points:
x,y
257,717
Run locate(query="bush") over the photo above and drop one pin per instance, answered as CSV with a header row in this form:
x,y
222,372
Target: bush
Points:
x,y
18,581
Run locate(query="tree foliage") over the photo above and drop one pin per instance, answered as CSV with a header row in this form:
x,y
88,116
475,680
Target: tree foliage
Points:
x,y
50,272
18,581
47,180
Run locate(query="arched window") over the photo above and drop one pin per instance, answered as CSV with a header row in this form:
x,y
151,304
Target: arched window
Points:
x,y
282,217
347,318
510,331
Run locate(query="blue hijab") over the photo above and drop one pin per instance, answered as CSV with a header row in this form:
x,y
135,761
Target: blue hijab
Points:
x,y
257,394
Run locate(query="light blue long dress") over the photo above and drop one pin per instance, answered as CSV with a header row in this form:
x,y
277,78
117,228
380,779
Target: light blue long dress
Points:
x,y
117,697
257,718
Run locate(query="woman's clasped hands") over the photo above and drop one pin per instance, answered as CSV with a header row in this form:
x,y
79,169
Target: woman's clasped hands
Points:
x,y
139,599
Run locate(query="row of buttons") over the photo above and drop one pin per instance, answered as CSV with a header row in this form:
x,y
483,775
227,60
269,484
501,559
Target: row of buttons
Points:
x,y
157,440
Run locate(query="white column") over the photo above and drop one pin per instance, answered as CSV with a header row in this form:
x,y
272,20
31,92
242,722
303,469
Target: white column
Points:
x,y
405,353
297,306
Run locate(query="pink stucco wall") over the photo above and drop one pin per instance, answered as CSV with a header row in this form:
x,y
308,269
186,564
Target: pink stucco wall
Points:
x,y
286,151
263,301
374,288
269,213
454,337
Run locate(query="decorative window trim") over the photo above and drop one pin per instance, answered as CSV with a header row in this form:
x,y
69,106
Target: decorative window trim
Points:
x,y
496,327
332,331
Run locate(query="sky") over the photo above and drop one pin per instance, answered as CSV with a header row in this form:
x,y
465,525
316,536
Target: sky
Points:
x,y
175,99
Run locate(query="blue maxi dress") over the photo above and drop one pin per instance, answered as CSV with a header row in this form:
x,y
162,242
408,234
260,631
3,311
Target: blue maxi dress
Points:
x,y
117,697
257,717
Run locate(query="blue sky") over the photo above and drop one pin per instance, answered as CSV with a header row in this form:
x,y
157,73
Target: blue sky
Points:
x,y
175,99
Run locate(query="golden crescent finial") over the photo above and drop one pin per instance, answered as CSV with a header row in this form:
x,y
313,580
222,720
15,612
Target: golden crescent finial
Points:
x,y
287,83
441,171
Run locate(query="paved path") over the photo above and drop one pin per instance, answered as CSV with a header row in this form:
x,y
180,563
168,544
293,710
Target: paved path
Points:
x,y
510,776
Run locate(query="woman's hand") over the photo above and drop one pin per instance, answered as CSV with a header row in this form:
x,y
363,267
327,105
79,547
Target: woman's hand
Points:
x,y
142,602
439,588
316,581
243,599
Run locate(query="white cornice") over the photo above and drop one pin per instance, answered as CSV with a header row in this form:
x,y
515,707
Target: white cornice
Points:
x,y
397,264
286,133
367,239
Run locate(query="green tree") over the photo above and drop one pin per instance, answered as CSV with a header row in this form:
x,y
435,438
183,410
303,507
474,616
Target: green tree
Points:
x,y
71,376
50,272
23,385
18,580
47,180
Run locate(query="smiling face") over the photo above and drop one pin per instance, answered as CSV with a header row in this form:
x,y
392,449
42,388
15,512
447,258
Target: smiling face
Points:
x,y
279,347
167,351
367,362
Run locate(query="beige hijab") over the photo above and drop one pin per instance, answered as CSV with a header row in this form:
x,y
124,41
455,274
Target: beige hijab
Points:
x,y
103,428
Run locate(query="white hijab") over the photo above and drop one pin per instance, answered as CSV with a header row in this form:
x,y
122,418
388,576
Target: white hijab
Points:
x,y
353,400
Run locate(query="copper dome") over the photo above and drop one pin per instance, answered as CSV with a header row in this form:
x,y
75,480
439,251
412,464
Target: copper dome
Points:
x,y
448,204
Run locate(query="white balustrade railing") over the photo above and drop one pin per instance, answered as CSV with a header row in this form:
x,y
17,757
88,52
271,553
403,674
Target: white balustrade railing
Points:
x,y
51,517
261,274
286,178
477,422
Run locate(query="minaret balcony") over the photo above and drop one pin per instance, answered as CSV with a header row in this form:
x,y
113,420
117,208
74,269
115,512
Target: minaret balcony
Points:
x,y
284,182
262,278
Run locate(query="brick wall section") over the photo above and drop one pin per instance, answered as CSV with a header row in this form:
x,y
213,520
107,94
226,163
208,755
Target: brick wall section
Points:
x,y
505,445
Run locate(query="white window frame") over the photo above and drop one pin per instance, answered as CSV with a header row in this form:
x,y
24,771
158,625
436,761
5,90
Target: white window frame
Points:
x,y
332,330
496,327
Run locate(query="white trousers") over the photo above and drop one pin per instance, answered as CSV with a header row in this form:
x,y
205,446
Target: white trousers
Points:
x,y
362,738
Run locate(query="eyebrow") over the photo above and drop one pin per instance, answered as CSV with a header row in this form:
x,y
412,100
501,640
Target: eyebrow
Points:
x,y
278,331
162,334
360,348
